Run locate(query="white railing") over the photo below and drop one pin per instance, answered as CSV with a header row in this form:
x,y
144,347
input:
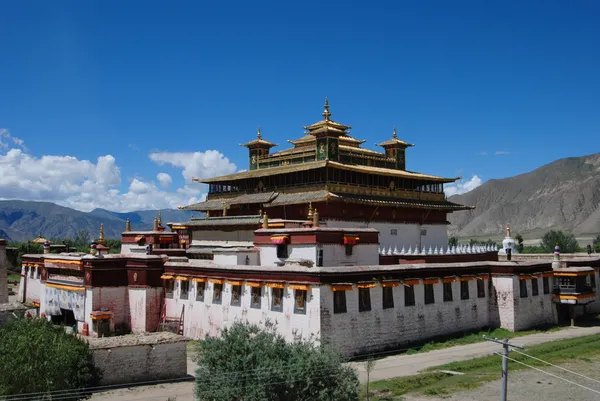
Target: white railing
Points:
x,y
448,250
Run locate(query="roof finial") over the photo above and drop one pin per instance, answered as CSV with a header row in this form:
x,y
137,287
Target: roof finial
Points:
x,y
326,112
128,225
310,211
159,218
101,239
395,135
258,134
508,230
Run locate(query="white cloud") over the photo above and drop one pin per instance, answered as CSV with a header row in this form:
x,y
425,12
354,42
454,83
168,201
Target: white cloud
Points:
x,y
502,152
164,179
6,138
482,153
460,187
196,164
83,184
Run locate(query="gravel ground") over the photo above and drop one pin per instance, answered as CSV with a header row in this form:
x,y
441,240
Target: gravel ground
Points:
x,y
531,385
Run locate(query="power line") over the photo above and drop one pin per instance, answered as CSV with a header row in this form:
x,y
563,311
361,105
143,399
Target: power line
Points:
x,y
553,375
558,367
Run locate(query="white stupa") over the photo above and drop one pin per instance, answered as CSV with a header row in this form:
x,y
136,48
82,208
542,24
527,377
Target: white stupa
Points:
x,y
508,243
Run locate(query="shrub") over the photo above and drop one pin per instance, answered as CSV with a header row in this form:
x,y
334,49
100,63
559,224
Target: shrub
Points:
x,y
256,364
566,242
37,357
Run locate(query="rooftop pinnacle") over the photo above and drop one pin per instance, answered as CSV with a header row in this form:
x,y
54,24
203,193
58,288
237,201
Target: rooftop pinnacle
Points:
x,y
326,112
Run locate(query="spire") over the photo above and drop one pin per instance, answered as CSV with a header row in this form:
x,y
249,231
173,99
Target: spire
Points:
x,y
258,134
155,228
508,230
326,112
395,135
159,219
265,221
310,210
128,225
101,239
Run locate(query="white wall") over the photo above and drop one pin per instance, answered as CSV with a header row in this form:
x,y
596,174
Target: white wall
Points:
x,y
534,310
505,301
203,318
141,363
216,235
333,254
407,234
357,332
229,258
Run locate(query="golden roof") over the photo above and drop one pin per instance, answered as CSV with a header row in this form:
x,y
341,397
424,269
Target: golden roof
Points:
x,y
395,141
39,240
259,142
334,126
263,172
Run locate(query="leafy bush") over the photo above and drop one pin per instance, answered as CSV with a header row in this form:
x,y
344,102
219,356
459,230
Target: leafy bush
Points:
x,y
37,357
566,242
250,363
520,245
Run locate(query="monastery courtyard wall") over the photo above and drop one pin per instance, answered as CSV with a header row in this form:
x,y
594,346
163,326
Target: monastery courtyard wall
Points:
x,y
140,358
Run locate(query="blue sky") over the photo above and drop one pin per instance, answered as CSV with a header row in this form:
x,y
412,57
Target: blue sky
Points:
x,y
491,89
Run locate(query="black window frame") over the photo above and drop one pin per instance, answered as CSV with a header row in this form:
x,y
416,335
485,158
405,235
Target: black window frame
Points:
x,y
300,295
546,284
480,288
200,294
364,299
277,299
184,294
464,290
409,295
387,297
254,292
448,296
169,288
236,289
535,289
339,302
217,293
523,289
349,249
429,294
282,251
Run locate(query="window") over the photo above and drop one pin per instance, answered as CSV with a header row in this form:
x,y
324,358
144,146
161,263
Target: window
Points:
x,y
593,279
464,290
236,295
256,297
364,300
169,288
282,251
184,289
409,295
200,287
447,292
348,249
339,302
300,304
480,288
217,293
534,287
388,297
320,257
429,297
277,299
523,288
394,231
546,285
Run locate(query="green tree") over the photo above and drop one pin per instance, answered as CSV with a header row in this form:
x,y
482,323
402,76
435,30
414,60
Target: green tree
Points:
x,y
251,363
452,241
596,243
37,357
566,241
520,245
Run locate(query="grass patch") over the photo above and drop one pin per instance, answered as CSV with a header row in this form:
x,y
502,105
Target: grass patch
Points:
x,y
481,370
14,277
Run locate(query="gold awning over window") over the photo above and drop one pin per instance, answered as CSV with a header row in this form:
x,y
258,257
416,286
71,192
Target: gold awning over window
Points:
x,y
467,278
234,282
341,287
199,279
411,282
449,280
390,283
366,285
279,239
253,284
182,278
166,277
302,287
431,281
216,280
276,285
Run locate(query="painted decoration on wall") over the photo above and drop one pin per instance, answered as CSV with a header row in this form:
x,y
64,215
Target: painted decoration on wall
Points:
x,y
72,300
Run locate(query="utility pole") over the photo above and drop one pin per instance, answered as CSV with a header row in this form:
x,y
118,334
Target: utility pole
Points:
x,y
505,351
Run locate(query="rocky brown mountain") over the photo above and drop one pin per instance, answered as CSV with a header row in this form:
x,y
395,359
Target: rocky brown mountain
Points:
x,y
564,195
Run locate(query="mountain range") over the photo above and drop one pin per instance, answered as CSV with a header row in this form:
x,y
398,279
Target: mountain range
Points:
x,y
25,220
562,195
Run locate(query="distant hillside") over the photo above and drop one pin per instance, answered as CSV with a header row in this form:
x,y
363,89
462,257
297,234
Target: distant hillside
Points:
x,y
564,195
24,220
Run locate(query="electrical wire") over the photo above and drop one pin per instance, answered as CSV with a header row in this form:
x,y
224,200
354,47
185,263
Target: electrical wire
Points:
x,y
556,366
549,374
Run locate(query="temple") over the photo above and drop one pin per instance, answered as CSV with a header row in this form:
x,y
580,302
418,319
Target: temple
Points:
x,y
325,170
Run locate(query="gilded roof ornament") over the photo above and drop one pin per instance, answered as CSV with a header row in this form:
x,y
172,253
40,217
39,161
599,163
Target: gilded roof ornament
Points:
x,y
101,239
128,225
395,135
159,219
258,134
326,112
